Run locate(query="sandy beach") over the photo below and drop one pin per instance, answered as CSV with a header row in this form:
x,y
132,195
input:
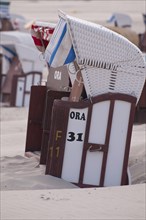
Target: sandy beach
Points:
x,y
118,203
97,11
26,192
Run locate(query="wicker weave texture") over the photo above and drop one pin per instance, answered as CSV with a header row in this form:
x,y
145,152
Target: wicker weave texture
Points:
x,y
97,43
111,62
99,81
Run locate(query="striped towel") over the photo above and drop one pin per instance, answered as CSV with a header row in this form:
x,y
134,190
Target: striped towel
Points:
x,y
60,49
41,33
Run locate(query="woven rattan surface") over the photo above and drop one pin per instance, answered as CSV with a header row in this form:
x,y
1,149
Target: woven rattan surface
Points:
x,y
110,62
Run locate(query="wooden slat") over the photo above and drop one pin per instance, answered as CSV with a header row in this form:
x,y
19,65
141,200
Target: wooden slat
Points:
x,y
35,118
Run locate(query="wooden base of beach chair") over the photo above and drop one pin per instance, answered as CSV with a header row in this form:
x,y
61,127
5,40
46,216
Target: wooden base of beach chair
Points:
x,y
50,97
140,114
35,118
39,119
90,140
142,100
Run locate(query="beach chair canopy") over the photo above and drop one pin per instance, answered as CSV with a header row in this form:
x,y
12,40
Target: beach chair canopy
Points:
x,y
42,32
15,43
128,33
108,61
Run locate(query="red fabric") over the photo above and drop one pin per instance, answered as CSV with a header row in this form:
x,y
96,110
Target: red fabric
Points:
x,y
41,36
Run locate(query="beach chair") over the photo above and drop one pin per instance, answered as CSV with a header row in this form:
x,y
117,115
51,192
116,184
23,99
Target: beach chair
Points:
x,y
120,20
20,57
39,120
14,70
8,21
57,86
5,23
90,139
21,87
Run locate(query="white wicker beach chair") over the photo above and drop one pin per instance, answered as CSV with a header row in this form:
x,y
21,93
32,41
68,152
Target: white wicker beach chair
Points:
x,y
108,61
93,137
111,63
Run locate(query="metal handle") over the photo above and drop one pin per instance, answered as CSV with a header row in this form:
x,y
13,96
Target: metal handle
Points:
x,y
94,148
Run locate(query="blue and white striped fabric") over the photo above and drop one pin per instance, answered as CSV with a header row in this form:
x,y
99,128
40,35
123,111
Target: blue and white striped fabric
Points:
x,y
8,53
60,49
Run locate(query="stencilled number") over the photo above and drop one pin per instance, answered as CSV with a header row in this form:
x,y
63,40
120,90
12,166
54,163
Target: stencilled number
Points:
x,y
71,136
79,137
75,137
57,151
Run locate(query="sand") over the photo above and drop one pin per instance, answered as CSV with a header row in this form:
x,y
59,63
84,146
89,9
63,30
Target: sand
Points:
x,y
106,203
97,11
26,192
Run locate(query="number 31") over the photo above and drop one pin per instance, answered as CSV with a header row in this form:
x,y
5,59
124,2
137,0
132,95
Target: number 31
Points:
x,y
75,137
